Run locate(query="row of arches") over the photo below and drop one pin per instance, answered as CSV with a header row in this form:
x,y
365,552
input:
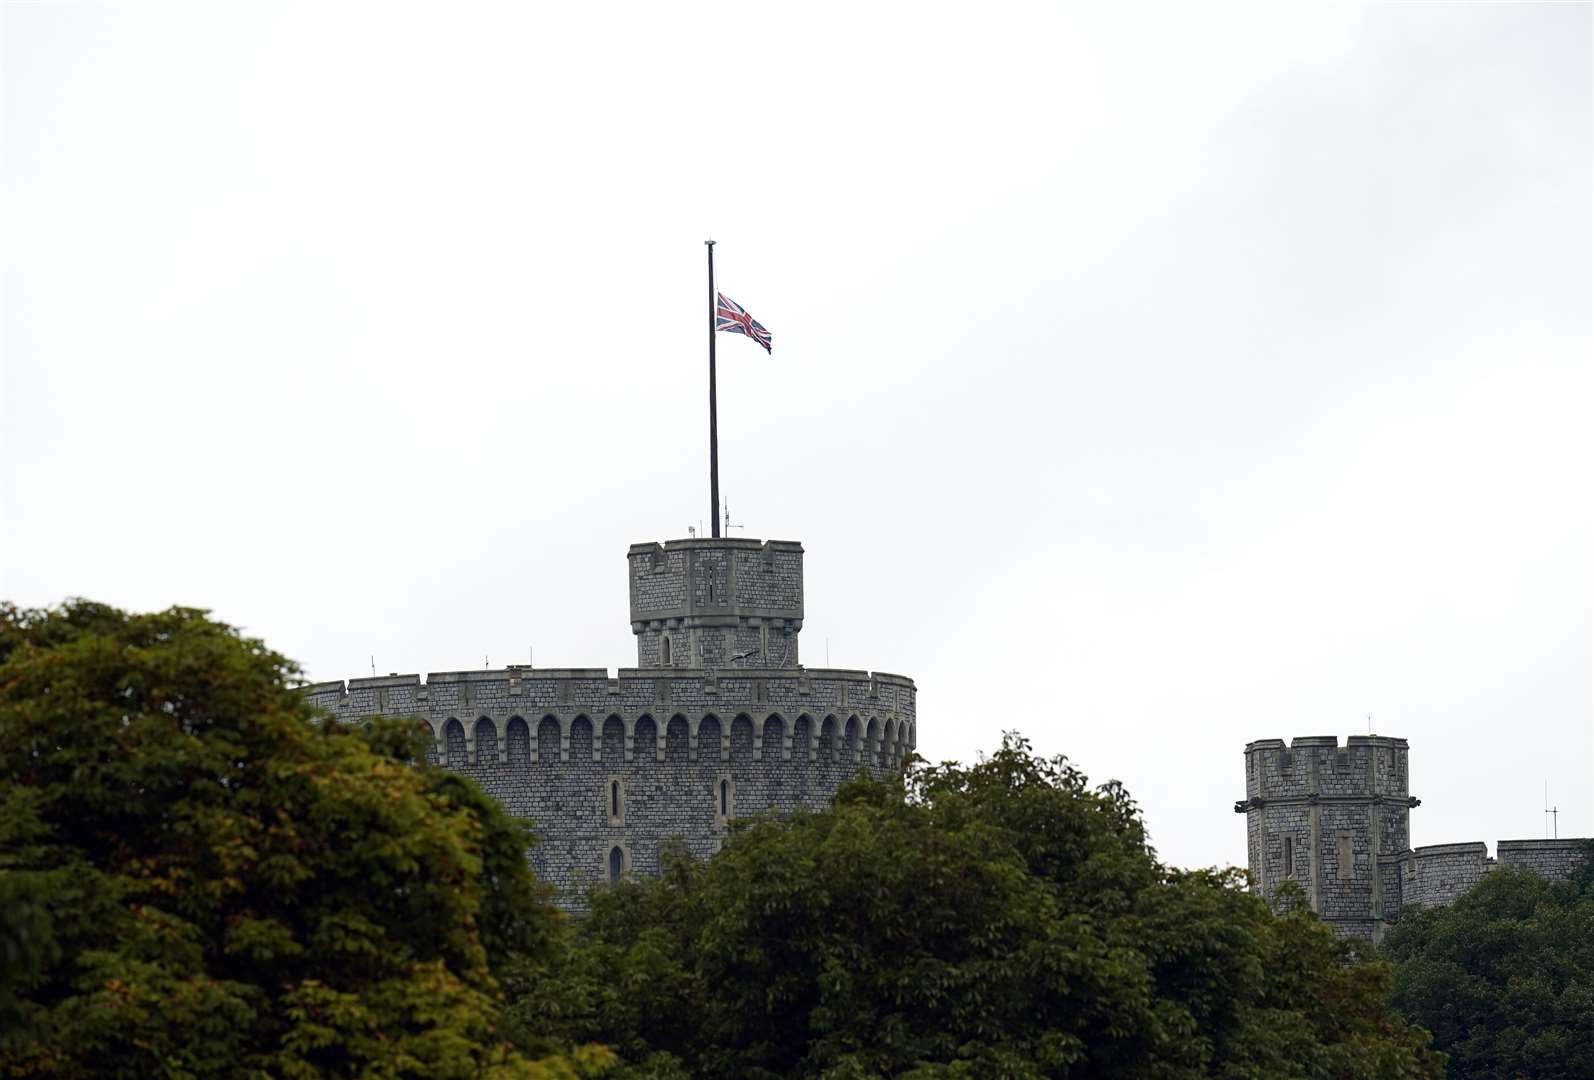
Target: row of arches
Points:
x,y
851,739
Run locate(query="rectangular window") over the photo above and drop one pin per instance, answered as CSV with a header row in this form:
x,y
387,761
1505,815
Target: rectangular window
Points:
x,y
616,800
1347,858
1289,856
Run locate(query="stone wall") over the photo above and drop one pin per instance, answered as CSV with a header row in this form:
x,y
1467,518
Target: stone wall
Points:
x,y
702,602
1558,859
1438,873
551,746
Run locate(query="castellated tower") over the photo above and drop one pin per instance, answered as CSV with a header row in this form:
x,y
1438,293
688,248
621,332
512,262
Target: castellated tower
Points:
x,y
1335,820
709,602
718,720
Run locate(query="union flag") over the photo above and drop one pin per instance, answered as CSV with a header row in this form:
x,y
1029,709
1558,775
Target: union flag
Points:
x,y
731,318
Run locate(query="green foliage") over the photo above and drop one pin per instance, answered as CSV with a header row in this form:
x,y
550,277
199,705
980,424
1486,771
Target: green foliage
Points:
x,y
200,878
1504,977
1002,920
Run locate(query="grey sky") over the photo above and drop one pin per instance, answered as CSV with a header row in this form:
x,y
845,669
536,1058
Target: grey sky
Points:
x,y
1149,379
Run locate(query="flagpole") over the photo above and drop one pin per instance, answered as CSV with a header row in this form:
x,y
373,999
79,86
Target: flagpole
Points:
x,y
713,407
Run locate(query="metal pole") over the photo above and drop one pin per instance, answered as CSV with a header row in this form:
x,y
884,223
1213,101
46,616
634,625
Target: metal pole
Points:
x,y
713,406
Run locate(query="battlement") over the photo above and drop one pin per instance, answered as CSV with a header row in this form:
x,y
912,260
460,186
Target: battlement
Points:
x,y
1318,766
867,709
1330,741
706,602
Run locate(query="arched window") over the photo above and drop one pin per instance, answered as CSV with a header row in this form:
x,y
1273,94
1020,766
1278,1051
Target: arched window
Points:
x,y
664,652
616,864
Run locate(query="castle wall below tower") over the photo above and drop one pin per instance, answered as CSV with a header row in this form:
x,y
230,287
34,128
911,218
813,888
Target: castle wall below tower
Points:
x,y
608,768
1438,873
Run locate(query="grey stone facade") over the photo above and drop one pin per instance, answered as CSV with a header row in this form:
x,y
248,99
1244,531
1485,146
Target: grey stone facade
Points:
x,y
1437,874
699,603
1335,820
607,768
1551,858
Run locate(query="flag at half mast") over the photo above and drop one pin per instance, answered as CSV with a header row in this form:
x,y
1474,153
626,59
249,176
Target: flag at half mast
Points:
x,y
731,318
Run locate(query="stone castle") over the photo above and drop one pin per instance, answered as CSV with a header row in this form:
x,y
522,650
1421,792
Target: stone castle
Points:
x,y
718,719
1336,821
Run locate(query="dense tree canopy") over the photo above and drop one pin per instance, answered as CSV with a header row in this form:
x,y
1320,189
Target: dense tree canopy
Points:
x,y
198,877
1002,920
1504,977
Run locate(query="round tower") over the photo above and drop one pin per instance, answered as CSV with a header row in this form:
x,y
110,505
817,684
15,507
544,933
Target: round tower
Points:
x,y
717,721
1332,819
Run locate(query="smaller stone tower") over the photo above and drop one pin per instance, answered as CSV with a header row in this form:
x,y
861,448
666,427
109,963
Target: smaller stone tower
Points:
x,y
720,602
1335,819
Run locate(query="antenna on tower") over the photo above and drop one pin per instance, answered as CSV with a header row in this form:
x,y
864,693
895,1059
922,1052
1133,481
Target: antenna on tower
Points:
x,y
373,665
1552,814
728,525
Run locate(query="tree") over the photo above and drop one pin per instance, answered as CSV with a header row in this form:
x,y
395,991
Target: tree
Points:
x,y
1504,976
199,876
1002,920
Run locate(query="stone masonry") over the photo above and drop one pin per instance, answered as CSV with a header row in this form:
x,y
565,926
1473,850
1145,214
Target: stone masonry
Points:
x,y
1335,820
719,723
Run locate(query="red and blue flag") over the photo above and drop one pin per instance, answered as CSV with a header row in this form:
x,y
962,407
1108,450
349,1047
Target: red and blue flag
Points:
x,y
731,318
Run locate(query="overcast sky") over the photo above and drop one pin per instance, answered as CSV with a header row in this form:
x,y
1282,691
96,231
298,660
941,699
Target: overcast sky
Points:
x,y
1147,379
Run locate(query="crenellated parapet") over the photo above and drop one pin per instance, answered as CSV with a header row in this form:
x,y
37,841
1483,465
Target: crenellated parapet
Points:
x,y
870,713
1366,766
